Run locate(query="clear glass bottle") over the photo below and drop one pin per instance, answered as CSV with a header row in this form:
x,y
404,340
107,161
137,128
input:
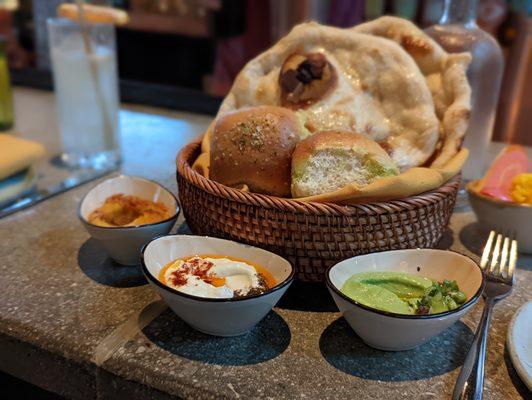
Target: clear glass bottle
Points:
x,y
457,31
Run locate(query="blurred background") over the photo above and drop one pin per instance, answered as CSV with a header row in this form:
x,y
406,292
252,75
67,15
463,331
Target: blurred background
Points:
x,y
198,46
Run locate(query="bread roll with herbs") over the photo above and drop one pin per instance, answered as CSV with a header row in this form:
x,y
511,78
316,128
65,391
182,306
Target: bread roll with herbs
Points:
x,y
253,147
329,160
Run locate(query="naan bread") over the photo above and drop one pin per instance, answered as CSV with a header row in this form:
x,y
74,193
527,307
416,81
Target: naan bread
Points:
x,y
379,90
445,74
390,81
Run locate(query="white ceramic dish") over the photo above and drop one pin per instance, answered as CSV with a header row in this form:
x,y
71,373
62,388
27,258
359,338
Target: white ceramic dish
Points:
x,y
520,343
503,216
218,317
123,244
390,331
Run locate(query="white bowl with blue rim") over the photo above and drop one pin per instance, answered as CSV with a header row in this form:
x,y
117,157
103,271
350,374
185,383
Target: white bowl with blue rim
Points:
x,y
215,316
391,331
123,243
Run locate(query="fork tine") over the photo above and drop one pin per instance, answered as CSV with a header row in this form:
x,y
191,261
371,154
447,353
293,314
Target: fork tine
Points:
x,y
504,257
513,260
495,255
487,249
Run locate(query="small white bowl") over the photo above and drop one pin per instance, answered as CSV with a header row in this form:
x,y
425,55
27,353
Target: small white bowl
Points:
x,y
123,244
503,216
218,317
390,331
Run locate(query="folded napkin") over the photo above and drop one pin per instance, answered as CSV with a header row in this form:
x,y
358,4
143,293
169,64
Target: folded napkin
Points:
x,y
17,154
15,185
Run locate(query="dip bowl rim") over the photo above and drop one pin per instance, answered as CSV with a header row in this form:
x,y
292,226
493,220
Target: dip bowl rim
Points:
x,y
471,188
286,282
462,307
174,215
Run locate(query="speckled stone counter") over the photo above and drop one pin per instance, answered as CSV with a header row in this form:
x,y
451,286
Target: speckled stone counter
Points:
x,y
73,322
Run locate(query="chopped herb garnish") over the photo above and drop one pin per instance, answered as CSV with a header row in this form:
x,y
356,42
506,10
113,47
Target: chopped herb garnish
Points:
x,y
441,297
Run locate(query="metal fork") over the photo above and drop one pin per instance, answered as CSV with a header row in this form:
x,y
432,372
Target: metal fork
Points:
x,y
498,266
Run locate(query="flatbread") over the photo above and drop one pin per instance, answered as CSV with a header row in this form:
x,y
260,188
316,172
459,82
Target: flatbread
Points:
x,y
395,84
380,91
445,75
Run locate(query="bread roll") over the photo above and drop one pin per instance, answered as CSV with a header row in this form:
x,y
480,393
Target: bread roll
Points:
x,y
253,147
330,160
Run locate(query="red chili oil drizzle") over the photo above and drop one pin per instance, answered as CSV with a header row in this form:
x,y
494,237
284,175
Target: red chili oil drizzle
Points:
x,y
193,266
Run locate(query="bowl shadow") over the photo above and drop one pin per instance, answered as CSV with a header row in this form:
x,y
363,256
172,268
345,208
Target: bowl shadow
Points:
x,y
473,236
446,241
344,350
268,339
307,296
98,266
181,229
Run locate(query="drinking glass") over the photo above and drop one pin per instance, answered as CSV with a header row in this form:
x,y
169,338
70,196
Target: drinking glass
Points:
x,y
86,87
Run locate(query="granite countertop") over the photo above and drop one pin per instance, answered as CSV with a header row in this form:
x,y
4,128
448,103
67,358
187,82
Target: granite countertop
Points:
x,y
73,322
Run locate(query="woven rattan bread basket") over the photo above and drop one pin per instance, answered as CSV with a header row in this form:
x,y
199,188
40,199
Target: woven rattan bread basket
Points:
x,y
312,236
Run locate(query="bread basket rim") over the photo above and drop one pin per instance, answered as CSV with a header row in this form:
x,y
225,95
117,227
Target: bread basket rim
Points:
x,y
184,169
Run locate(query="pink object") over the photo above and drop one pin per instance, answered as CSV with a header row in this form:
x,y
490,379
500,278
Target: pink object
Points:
x,y
511,162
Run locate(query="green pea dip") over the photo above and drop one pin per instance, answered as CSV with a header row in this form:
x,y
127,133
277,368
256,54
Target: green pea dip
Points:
x,y
403,293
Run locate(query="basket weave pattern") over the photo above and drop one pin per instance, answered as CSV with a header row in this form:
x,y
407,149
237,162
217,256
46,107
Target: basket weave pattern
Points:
x,y
312,236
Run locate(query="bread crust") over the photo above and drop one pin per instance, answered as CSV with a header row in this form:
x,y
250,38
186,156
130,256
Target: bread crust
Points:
x,y
253,147
370,96
446,78
338,139
347,146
